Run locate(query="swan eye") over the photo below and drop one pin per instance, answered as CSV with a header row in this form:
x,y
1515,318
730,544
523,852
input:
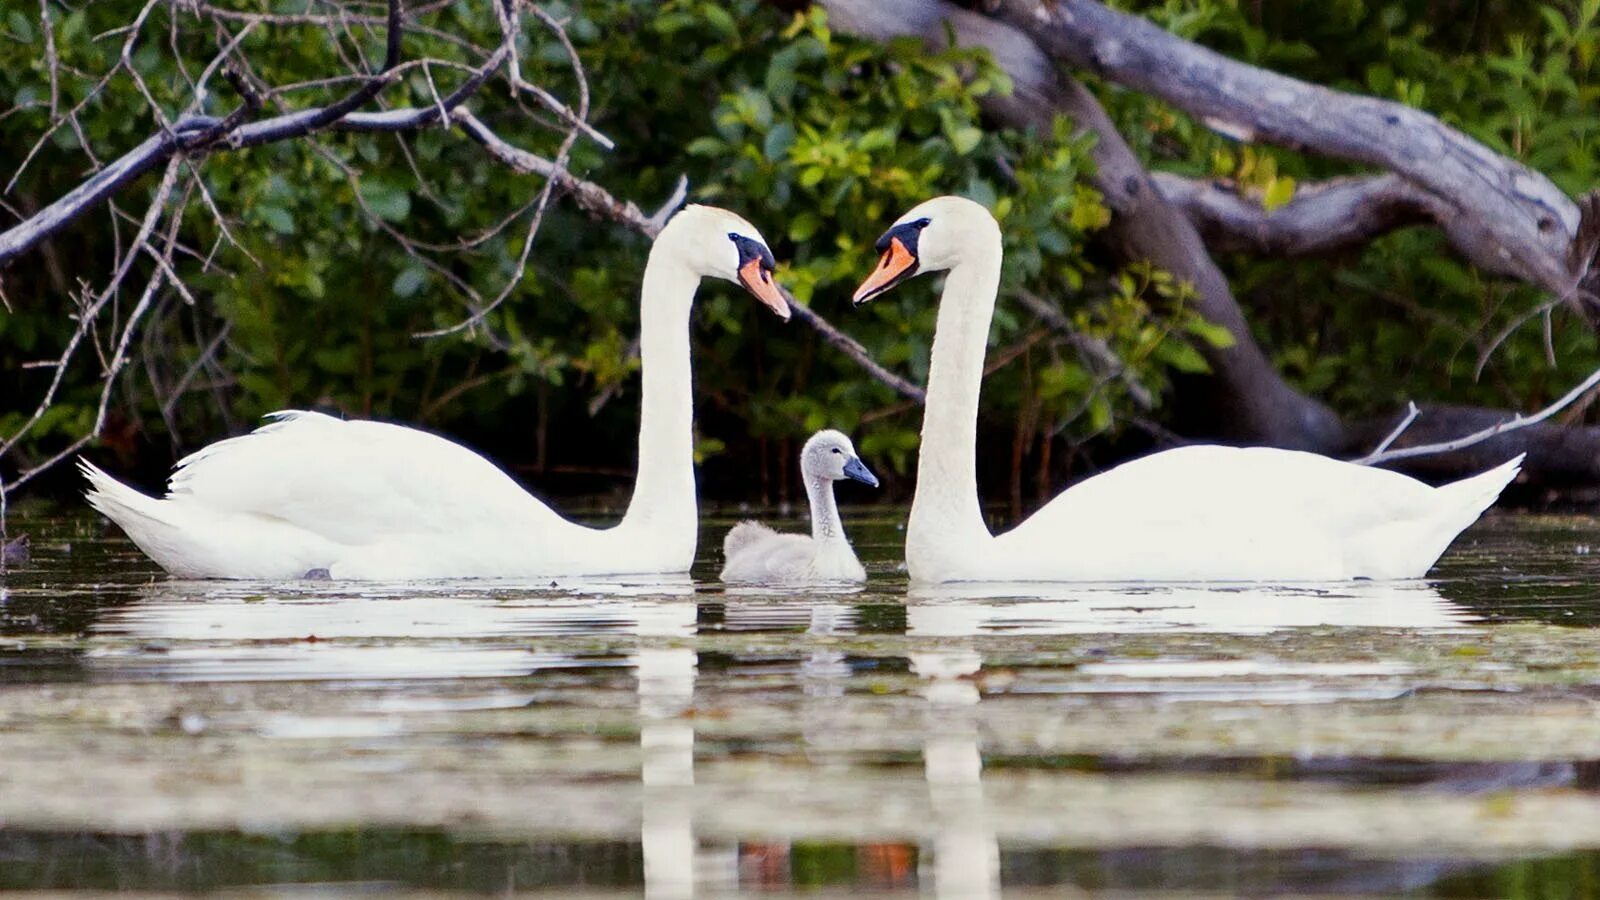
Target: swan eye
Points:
x,y
836,451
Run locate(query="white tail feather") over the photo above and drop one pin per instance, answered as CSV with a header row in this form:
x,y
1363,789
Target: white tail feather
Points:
x,y
118,502
1471,496
1458,504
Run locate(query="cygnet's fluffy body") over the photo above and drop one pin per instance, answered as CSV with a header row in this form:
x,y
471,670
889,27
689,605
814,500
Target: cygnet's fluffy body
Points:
x,y
755,554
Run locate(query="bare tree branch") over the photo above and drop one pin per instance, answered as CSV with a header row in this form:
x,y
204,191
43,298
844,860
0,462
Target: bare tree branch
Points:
x,y
1405,422
198,133
1516,422
510,24
1324,217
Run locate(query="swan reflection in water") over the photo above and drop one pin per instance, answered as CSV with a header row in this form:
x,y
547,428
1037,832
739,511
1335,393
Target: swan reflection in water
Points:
x,y
209,631
240,631
244,631
1044,608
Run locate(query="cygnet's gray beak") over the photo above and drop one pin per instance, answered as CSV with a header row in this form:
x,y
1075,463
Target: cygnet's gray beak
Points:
x,y
858,470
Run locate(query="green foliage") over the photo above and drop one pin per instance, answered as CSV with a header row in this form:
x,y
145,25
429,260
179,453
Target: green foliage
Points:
x,y
821,141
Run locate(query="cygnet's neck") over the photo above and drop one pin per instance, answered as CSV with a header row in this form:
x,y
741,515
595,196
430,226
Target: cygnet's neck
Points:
x,y
945,512
663,502
825,525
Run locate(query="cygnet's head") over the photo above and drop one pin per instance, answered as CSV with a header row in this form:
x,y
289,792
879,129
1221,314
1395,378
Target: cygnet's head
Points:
x,y
716,243
935,235
829,454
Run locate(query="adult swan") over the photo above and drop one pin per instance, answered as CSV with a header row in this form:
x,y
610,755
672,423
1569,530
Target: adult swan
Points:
x,y
1200,513
313,494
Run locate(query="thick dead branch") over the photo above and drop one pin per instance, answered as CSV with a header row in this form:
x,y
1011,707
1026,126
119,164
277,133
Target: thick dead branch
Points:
x,y
1326,217
1334,215
1508,212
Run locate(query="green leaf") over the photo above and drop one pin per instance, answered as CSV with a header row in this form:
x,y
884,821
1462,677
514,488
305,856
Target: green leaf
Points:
x,y
966,139
386,200
1279,192
781,79
1181,355
778,141
803,226
706,146
1213,334
410,280
20,26
276,217
719,19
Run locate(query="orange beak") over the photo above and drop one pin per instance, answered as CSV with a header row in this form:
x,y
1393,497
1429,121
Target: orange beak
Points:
x,y
758,281
897,262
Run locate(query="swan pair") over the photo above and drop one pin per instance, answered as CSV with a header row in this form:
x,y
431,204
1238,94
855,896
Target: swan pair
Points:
x,y
372,500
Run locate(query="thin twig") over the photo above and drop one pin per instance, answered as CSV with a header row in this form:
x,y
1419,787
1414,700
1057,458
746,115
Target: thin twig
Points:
x,y
1411,416
91,310
1094,352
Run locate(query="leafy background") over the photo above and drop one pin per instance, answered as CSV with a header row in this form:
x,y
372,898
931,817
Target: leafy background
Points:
x,y
821,141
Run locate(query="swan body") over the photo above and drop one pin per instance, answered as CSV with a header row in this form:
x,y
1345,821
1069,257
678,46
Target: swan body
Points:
x,y
755,554
1197,513
309,493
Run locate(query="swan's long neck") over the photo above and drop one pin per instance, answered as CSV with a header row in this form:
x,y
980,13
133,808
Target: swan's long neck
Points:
x,y
825,525
663,501
945,513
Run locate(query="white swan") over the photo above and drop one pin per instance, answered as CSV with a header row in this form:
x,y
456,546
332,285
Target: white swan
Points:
x,y
1201,513
310,493
755,554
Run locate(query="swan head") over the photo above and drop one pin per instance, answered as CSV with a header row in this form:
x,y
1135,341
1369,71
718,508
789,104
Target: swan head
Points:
x,y
716,243
935,235
830,455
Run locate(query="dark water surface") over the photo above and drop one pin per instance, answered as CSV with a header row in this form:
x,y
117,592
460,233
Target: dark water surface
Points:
x,y
673,738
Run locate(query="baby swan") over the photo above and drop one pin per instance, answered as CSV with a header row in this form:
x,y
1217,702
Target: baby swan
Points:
x,y
756,554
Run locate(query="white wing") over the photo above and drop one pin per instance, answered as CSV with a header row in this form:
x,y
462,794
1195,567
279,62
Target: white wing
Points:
x,y
355,481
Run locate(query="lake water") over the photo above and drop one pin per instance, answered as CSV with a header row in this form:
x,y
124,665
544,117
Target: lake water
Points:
x,y
675,739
